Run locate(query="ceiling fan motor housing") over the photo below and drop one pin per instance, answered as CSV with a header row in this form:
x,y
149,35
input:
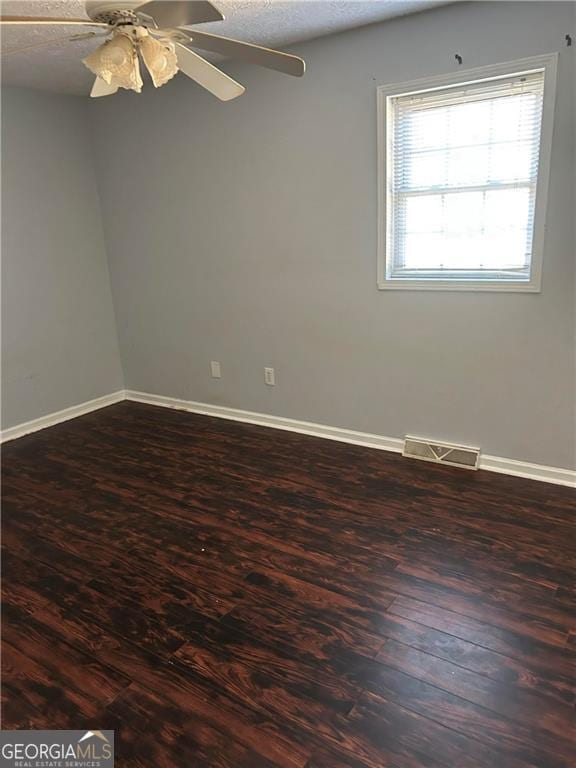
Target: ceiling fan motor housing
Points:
x,y
112,11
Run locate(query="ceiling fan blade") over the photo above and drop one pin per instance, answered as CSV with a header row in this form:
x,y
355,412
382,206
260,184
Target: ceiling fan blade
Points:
x,y
256,54
51,20
101,88
176,13
67,38
207,75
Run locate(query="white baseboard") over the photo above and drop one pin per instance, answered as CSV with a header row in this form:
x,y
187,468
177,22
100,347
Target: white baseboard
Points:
x,y
499,464
59,416
555,475
277,422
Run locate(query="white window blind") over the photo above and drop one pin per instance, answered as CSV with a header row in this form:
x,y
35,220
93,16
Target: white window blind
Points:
x,y
462,169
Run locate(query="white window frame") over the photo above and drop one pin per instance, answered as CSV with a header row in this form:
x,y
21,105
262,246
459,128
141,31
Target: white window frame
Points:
x,y
546,63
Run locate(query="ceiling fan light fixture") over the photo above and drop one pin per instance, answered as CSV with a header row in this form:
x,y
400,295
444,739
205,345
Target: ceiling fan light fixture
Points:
x,y
116,62
160,59
158,31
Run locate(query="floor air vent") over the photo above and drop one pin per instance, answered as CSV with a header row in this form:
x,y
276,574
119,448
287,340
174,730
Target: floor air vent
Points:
x,y
441,453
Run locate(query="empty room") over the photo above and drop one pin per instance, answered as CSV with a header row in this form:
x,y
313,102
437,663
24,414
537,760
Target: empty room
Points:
x,y
288,377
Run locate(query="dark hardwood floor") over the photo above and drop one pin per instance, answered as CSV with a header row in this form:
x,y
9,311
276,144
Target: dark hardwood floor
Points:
x,y
226,595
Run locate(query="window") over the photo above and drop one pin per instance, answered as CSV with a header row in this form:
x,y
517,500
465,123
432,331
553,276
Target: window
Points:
x,y
463,178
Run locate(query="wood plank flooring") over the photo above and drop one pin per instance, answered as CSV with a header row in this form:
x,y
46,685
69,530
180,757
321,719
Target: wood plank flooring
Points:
x,y
230,596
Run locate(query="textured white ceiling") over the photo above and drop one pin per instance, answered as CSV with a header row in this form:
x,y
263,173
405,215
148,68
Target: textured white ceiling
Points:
x,y
276,23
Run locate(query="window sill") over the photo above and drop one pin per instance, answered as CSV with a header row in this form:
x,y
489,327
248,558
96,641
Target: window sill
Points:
x,y
494,286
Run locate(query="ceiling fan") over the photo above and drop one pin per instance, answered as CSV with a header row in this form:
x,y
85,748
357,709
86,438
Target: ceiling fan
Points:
x,y
157,31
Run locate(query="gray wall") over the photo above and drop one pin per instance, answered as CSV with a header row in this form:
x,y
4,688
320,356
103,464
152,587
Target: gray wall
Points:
x,y
246,233
59,343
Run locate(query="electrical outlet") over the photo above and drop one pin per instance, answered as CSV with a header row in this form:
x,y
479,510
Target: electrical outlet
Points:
x,y
269,377
215,371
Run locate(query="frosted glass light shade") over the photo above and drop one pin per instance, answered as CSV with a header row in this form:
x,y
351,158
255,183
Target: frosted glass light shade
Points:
x,y
160,60
116,62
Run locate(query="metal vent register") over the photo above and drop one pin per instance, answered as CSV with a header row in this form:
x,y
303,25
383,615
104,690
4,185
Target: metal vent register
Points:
x,y
441,453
